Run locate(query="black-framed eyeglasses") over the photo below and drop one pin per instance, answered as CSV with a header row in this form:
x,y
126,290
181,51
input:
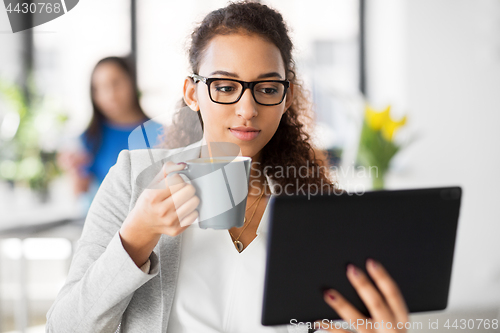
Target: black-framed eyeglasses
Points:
x,y
229,91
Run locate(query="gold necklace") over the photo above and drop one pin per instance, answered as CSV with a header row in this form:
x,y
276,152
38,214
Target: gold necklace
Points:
x,y
246,210
237,243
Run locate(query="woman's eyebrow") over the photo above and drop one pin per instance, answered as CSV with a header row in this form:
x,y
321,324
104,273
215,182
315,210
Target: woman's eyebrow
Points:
x,y
261,76
271,74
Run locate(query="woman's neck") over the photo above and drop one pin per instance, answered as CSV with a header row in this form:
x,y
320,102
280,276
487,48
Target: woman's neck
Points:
x,y
131,117
258,181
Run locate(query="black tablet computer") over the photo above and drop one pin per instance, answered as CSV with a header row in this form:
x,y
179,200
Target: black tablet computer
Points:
x,y
311,240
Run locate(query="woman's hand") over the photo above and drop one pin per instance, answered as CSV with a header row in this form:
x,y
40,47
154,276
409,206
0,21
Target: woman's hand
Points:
x,y
159,210
388,308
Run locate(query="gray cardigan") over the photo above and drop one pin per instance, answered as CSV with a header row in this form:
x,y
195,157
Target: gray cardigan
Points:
x,y
104,288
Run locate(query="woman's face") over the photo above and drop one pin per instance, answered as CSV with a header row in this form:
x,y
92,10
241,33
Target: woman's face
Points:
x,y
113,90
245,123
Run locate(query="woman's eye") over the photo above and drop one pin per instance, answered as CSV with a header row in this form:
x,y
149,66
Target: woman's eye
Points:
x,y
224,89
269,91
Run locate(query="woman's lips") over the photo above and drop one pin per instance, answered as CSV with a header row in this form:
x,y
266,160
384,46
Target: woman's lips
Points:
x,y
244,134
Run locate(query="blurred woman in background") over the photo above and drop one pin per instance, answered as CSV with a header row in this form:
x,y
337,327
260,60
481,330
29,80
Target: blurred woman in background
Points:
x,y
116,113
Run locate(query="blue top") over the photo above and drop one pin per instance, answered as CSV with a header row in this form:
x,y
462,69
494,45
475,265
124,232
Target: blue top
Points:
x,y
114,139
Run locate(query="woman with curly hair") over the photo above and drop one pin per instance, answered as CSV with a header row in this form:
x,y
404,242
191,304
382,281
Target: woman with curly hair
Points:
x,y
139,267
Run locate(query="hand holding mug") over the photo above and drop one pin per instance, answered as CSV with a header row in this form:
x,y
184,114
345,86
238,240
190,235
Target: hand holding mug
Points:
x,y
165,209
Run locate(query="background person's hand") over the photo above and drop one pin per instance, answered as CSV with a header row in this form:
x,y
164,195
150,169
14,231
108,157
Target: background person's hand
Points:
x,y
388,309
166,209
73,162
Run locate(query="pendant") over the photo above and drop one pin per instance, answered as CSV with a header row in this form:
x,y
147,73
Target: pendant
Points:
x,y
244,220
238,245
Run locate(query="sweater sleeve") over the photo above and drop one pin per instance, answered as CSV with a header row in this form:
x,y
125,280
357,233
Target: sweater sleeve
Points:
x,y
102,278
145,267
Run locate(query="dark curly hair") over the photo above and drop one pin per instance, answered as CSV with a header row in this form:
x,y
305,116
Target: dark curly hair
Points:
x,y
290,147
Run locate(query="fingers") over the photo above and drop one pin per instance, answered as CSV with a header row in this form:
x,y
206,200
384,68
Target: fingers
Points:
x,y
188,207
389,289
374,302
178,199
181,193
344,308
170,166
161,182
185,223
61,160
183,200
174,181
67,160
189,219
388,305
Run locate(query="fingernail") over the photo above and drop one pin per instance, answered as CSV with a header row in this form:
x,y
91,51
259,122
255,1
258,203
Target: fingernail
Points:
x,y
330,295
372,263
351,268
181,163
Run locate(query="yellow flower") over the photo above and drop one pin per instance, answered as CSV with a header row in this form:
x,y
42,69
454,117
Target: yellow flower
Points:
x,y
376,120
390,126
382,121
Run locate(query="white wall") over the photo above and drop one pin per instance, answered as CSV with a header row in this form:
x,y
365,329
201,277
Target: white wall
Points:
x,y
440,62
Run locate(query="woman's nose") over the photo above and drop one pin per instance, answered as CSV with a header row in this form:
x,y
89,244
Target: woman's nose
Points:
x,y
246,107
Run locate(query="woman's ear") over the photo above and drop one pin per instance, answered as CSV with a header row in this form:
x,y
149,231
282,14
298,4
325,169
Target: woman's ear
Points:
x,y
189,91
289,97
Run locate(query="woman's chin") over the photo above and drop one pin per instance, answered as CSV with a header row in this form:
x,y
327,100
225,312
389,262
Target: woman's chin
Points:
x,y
247,148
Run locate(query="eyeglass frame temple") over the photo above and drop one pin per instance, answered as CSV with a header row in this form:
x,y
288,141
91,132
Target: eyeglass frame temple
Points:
x,y
197,78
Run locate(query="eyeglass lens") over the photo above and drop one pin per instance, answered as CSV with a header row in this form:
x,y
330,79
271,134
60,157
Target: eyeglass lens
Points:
x,y
225,91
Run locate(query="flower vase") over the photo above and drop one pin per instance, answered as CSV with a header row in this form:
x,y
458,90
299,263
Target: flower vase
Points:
x,y
378,179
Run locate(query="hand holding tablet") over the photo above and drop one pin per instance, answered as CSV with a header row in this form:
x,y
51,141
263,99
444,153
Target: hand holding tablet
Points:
x,y
314,243
385,301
